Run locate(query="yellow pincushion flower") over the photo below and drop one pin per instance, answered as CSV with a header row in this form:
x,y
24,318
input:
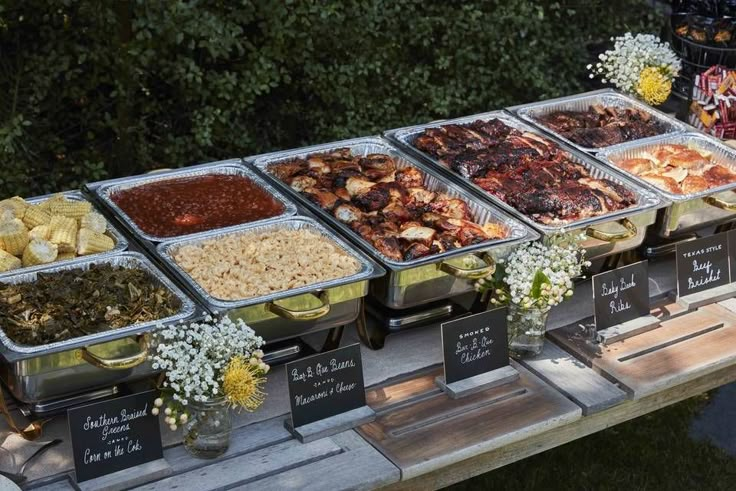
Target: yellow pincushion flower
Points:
x,y
654,86
242,383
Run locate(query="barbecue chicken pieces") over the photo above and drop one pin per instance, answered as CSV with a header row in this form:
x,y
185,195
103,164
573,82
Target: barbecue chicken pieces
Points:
x,y
387,204
601,126
528,172
678,169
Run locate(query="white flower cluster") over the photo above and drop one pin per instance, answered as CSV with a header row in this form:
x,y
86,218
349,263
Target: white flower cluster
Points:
x,y
194,356
559,259
622,66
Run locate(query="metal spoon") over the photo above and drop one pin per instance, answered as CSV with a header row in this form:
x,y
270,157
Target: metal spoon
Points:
x,y
19,477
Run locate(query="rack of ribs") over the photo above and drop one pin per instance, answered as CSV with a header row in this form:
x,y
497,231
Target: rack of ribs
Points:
x,y
530,173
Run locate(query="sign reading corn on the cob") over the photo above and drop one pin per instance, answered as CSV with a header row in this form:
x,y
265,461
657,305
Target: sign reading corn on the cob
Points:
x,y
54,230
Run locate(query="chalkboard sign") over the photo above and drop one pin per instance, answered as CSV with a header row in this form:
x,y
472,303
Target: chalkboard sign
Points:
x,y
113,435
702,264
474,344
621,295
325,385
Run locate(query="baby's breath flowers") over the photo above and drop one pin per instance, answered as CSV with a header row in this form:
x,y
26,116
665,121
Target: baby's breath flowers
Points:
x,y
640,64
537,274
207,360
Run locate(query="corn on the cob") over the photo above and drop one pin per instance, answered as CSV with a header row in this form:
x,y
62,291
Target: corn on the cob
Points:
x,y
42,232
6,215
39,252
8,261
16,204
63,256
91,242
13,237
63,233
46,205
71,209
95,222
35,216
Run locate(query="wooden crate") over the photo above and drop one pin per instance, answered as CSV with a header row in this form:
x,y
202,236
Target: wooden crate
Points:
x,y
687,345
421,429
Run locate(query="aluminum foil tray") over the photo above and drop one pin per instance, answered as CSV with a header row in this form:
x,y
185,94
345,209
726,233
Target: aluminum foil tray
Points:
x,y
721,154
105,192
124,259
368,269
121,244
434,181
581,102
646,199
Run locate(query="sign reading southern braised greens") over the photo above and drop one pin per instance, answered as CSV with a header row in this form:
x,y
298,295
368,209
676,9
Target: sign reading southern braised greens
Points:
x,y
325,385
621,295
702,264
113,435
474,344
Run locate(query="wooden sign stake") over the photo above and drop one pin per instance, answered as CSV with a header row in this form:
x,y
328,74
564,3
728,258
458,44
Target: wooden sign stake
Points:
x,y
714,295
332,425
627,329
478,383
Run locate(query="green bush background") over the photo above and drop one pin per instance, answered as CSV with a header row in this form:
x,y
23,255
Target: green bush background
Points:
x,y
93,89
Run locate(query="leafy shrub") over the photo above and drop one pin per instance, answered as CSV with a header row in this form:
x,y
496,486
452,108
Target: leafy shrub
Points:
x,y
97,89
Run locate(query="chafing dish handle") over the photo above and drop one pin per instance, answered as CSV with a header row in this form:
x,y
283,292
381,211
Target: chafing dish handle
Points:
x,y
472,273
629,231
123,363
720,203
302,315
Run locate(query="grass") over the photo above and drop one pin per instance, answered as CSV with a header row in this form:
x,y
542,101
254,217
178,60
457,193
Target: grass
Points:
x,y
653,452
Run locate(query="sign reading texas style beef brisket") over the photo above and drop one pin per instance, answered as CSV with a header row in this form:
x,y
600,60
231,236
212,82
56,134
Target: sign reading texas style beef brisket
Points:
x,y
702,264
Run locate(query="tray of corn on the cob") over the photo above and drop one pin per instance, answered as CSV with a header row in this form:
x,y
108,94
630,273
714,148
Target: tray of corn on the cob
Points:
x,y
50,229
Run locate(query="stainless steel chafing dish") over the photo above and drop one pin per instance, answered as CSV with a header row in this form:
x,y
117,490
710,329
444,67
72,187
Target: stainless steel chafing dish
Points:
x,y
104,191
581,102
121,243
39,373
687,212
419,281
290,313
608,234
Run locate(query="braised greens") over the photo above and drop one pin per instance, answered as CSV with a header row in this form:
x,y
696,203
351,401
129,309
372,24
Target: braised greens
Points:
x,y
73,303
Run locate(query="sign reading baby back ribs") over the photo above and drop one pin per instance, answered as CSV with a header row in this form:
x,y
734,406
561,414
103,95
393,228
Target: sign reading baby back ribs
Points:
x,y
702,264
325,385
113,435
621,295
474,345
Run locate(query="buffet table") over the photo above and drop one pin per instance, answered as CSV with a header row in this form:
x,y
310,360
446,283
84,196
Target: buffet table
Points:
x,y
264,455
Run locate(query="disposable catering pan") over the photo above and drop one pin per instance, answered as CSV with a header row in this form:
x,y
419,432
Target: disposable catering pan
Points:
x,y
104,192
581,102
608,234
686,212
290,313
39,373
422,280
121,244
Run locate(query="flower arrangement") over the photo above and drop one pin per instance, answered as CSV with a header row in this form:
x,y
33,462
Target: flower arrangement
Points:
x,y
641,65
537,274
208,360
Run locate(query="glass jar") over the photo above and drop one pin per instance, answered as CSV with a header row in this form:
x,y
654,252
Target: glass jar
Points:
x,y
526,329
207,431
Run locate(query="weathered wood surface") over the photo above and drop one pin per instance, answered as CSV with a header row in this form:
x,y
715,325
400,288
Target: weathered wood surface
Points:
x,y
488,461
590,391
59,485
420,433
127,478
478,383
330,426
619,332
681,349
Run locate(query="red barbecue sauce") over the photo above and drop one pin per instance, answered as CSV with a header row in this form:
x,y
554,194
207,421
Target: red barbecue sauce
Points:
x,y
194,204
